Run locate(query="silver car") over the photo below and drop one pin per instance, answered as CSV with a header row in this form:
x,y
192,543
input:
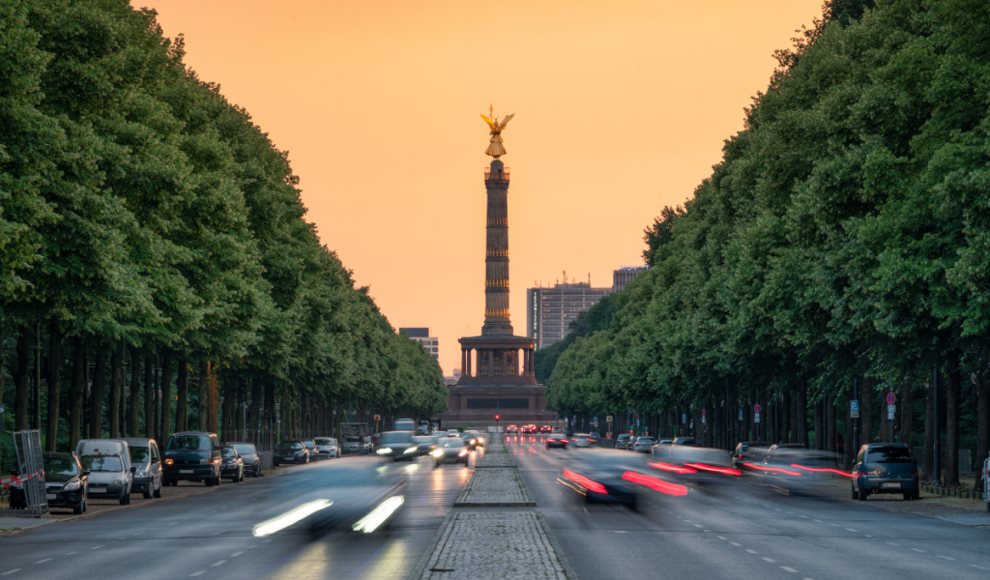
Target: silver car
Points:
x,y
644,444
327,447
355,444
146,457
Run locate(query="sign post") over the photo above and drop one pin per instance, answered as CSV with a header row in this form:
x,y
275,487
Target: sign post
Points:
x,y
891,412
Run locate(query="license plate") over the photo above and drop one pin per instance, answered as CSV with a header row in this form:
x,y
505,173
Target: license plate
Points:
x,y
892,485
52,495
97,490
185,471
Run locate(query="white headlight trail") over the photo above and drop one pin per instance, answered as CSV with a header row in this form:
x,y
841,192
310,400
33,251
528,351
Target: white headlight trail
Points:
x,y
290,517
378,515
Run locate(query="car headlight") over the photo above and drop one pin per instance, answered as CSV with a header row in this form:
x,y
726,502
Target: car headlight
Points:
x,y
409,450
141,474
463,452
72,485
169,462
116,482
384,451
437,453
472,442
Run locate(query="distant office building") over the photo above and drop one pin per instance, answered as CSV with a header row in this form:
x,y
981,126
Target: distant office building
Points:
x,y
550,311
422,336
625,275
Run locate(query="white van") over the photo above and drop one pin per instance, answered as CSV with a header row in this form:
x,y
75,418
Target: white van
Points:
x,y
109,464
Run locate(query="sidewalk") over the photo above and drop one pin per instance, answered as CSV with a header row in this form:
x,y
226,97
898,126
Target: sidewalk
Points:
x,y
493,532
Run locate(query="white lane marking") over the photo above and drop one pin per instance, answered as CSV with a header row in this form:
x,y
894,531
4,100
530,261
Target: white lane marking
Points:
x,y
946,558
71,553
173,523
852,530
736,545
266,541
893,544
721,538
43,561
833,525
772,561
819,521
971,565
867,536
19,569
220,563
800,516
619,531
696,525
789,569
750,551
236,554
198,573
96,547
917,550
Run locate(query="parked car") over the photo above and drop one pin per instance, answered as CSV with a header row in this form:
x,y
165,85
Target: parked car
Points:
x,y
249,457
685,441
398,445
293,451
356,444
314,455
105,447
327,447
644,444
192,456
108,478
622,442
147,460
557,440
66,483
231,467
885,468
451,449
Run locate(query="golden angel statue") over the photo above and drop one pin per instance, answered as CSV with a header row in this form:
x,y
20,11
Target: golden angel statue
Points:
x,y
495,148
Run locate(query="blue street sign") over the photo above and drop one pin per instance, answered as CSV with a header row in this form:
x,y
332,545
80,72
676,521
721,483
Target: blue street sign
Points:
x,y
1,409
740,415
854,409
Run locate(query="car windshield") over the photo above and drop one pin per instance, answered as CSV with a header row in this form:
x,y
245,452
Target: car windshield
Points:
x,y
309,444
450,443
394,438
352,439
188,443
644,440
139,455
245,449
60,468
890,455
290,446
102,463
229,453
324,441
556,436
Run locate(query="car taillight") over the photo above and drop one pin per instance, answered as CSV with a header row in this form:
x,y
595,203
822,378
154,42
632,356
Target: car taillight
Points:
x,y
586,483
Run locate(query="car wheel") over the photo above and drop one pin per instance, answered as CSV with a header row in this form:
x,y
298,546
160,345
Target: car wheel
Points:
x,y
862,494
147,494
907,496
275,463
854,496
158,491
208,482
79,508
124,498
218,479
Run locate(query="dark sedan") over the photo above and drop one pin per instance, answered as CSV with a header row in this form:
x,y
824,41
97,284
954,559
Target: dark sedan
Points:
x,y
398,445
232,466
600,476
290,452
65,483
557,440
249,457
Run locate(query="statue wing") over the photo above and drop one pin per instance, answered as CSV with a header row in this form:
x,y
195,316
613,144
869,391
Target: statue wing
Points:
x,y
505,121
490,122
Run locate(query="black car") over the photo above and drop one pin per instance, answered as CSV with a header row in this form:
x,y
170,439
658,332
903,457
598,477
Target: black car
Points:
x,y
294,451
748,452
65,483
600,476
192,456
885,468
557,440
249,457
398,445
232,466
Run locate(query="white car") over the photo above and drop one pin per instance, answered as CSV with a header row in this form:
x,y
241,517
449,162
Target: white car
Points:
x,y
326,447
108,478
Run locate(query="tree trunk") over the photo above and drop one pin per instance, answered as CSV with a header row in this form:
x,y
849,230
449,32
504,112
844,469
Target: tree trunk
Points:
x,y
820,425
22,378
54,383
156,392
116,385
907,406
78,390
182,393
928,456
785,418
849,447
149,396
96,396
832,440
865,410
982,381
135,403
166,382
953,389
802,413
257,390
204,394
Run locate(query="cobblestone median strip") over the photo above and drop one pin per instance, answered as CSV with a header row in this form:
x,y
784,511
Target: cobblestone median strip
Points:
x,y
494,545
495,488
496,459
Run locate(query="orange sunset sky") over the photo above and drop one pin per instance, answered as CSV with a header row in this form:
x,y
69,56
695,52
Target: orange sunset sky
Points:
x,y
621,108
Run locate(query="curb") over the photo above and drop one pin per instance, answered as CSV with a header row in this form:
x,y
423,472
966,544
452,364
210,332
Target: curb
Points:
x,y
424,560
561,556
510,504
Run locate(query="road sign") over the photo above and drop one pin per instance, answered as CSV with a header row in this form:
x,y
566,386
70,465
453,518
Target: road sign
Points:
x,y
891,411
1,409
756,416
740,415
854,409
704,412
703,418
378,418
757,408
891,398
608,418
683,417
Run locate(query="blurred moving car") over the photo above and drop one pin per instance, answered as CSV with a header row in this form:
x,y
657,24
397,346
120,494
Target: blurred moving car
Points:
x,y
599,476
193,456
556,430
108,478
694,463
644,444
885,468
147,460
686,441
451,449
326,447
425,444
622,441
528,429
584,440
511,430
748,451
293,451
231,466
453,433
250,457
398,445
405,425
356,444
568,431
557,440
66,483
472,439
546,429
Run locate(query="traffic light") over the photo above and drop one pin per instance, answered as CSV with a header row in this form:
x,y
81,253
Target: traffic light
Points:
x,y
496,416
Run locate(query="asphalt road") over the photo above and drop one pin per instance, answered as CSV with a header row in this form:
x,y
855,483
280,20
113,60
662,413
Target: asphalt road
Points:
x,y
210,534
743,529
